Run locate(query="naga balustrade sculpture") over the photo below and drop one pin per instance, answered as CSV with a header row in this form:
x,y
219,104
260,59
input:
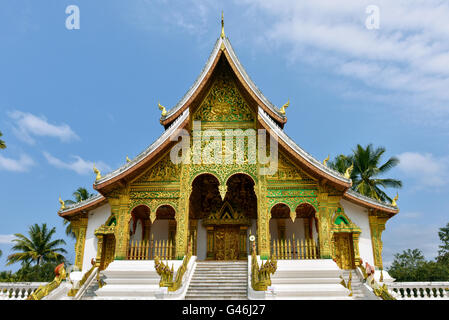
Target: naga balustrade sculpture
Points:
x,y
167,273
43,291
261,276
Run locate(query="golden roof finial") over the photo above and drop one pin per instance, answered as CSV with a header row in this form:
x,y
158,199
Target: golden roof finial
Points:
x,y
128,159
326,160
282,110
162,108
393,203
98,173
222,26
349,171
62,204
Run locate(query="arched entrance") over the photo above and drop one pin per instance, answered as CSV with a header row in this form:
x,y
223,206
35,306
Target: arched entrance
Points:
x,y
294,236
152,235
220,226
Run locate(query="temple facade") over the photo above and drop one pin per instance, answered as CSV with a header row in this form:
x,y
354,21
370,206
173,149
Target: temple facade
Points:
x,y
223,171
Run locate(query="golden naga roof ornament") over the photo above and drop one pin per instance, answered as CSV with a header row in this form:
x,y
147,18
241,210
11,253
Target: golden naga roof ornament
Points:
x,y
98,174
222,26
349,171
326,160
282,110
393,203
62,204
162,108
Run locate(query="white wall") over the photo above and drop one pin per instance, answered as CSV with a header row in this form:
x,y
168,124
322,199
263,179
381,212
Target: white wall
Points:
x,y
359,216
96,218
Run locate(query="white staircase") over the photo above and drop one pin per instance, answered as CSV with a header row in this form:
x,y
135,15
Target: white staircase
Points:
x,y
219,280
130,280
359,289
308,280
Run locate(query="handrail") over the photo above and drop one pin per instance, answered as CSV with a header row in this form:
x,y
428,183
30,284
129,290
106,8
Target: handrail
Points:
x,y
44,290
379,290
74,291
260,276
167,274
419,290
148,249
347,285
286,249
87,284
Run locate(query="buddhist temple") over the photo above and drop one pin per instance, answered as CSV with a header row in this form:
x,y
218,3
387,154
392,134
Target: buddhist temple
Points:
x,y
225,189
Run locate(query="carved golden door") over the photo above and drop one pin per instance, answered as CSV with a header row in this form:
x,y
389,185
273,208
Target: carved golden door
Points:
x,y
107,254
226,242
344,252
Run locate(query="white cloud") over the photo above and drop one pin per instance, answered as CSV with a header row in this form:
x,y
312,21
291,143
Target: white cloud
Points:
x,y
79,165
408,55
426,169
6,238
24,163
28,125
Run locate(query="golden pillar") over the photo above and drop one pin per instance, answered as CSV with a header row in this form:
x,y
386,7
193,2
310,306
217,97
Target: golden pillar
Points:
x,y
100,253
122,229
263,218
355,242
324,233
377,226
79,226
182,215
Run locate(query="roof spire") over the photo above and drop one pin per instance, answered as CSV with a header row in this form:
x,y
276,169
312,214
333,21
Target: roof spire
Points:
x,y
222,26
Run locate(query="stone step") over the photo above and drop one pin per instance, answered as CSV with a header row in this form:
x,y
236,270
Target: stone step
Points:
x,y
219,280
221,267
222,272
216,286
304,280
220,276
231,280
208,297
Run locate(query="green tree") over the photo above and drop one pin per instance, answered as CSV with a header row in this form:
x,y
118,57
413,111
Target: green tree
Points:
x,y
406,265
38,248
2,143
80,194
443,253
367,171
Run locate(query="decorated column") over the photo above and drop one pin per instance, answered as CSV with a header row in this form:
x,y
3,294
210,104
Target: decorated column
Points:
x,y
377,226
79,226
182,215
122,230
263,218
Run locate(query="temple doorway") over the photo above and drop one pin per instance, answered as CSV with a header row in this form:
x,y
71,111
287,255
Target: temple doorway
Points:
x,y
344,250
220,226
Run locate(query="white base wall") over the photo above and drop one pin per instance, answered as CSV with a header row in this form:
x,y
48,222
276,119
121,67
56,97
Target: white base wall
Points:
x,y
304,280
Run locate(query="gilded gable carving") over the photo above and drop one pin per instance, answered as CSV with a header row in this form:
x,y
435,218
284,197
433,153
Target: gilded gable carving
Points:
x,y
224,102
165,170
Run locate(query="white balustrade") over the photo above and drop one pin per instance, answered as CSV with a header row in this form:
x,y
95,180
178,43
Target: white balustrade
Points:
x,y
18,290
419,290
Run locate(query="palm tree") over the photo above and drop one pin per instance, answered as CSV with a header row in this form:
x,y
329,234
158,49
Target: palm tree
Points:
x,y
2,143
367,171
38,247
80,194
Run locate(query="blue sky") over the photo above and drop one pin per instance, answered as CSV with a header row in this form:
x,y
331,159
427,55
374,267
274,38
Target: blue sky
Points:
x,y
71,98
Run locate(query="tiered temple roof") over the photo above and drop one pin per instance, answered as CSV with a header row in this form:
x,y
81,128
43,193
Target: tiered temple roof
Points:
x,y
269,117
